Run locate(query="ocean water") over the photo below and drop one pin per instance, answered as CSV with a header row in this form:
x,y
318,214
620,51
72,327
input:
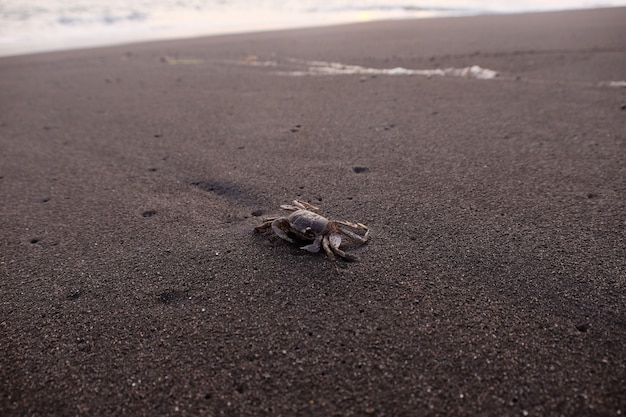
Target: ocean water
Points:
x,y
28,26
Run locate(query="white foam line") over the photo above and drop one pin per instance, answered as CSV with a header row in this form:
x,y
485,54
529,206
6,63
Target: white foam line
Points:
x,y
336,68
313,68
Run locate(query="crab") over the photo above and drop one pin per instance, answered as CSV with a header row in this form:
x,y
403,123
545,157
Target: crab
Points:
x,y
303,224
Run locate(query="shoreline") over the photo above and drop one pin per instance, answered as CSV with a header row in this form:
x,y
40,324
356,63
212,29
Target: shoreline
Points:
x,y
73,43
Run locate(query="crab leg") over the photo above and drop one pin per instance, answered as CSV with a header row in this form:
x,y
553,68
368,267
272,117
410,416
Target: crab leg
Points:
x,y
305,205
266,223
327,249
352,235
334,240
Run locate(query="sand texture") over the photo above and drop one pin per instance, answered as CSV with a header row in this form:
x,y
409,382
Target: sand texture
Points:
x,y
132,177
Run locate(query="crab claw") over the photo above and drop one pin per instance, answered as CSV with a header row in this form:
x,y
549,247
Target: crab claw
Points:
x,y
315,246
335,240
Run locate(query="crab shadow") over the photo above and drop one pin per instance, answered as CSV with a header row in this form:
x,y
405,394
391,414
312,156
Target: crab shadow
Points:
x,y
233,192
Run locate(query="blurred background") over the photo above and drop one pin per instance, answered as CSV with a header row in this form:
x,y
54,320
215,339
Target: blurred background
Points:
x,y
45,25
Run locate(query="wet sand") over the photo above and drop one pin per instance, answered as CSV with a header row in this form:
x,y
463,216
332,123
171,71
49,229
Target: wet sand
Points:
x,y
132,283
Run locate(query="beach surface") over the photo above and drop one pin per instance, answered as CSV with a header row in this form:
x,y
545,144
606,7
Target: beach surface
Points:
x,y
132,177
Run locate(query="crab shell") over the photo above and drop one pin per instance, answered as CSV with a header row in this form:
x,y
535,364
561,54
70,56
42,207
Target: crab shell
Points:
x,y
307,225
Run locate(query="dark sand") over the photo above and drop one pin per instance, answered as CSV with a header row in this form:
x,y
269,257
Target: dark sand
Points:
x,y
131,282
